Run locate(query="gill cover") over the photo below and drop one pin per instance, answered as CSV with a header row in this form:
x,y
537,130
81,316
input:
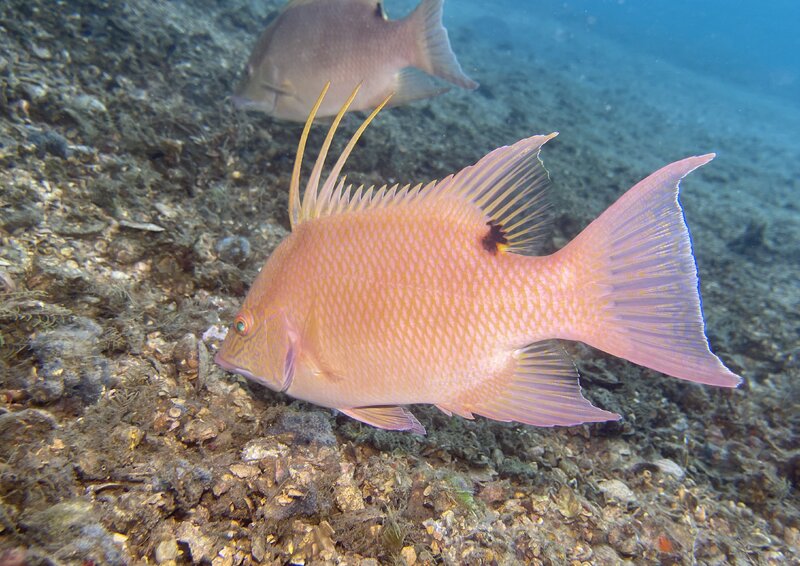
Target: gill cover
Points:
x,y
283,345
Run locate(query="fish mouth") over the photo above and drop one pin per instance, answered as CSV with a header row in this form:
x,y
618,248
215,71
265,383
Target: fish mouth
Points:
x,y
227,366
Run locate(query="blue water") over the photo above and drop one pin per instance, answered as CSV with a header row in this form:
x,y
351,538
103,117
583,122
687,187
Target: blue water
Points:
x,y
752,43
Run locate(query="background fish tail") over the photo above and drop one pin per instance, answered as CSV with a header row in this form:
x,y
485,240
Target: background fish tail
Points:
x,y
636,285
434,54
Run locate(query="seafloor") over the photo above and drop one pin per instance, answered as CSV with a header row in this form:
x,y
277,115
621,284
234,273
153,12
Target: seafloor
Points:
x,y
137,205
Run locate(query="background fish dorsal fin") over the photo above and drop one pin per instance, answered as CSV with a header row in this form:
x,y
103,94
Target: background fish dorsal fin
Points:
x,y
374,6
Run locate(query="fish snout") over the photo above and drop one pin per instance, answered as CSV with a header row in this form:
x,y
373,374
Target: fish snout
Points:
x,y
223,363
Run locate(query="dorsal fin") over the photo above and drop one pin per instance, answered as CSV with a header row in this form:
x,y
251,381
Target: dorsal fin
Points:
x,y
316,203
507,185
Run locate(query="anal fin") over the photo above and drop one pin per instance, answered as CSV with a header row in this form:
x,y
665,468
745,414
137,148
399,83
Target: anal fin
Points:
x,y
387,417
541,389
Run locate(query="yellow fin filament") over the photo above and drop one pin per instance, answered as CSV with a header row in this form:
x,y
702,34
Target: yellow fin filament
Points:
x,y
316,202
294,186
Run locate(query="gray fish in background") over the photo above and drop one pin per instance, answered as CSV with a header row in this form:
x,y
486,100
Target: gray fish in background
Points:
x,y
347,42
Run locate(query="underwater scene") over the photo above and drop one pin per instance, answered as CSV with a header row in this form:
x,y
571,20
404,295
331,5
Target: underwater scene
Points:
x,y
409,282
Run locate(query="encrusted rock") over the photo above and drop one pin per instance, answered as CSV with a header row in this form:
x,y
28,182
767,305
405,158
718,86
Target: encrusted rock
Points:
x,y
244,471
263,448
197,431
200,545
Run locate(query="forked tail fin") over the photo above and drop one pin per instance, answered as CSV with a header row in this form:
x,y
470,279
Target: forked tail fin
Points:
x,y
436,57
636,284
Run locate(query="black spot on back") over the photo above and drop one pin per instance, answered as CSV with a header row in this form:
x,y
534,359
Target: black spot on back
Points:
x,y
494,237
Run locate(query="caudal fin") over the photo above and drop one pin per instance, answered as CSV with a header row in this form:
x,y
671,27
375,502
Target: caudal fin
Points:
x,y
638,285
435,55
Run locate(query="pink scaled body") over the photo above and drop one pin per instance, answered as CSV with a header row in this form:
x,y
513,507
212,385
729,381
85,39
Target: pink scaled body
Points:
x,y
428,294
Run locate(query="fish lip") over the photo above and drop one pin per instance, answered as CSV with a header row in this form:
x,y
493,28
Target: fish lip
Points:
x,y
227,366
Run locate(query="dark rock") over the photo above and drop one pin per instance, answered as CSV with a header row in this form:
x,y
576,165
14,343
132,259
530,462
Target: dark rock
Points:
x,y
70,531
24,217
186,480
233,249
308,427
50,143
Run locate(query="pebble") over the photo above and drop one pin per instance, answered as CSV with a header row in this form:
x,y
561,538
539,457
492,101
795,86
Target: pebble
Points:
x,y
34,92
197,431
88,103
166,550
50,142
616,491
409,555
666,466
185,354
244,471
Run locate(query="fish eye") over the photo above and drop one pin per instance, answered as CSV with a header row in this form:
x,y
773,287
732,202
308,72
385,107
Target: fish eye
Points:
x,y
241,324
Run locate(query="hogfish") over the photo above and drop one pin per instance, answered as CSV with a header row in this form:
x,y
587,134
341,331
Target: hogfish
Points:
x,y
382,298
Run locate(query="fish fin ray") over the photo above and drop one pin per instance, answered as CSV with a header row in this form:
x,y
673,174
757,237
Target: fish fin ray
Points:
x,y
509,185
541,388
386,417
317,202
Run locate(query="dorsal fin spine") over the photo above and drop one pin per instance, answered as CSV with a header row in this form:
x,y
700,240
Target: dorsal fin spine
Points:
x,y
337,168
310,199
294,185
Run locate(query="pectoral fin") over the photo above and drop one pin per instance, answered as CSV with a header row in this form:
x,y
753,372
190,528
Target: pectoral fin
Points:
x,y
386,417
312,360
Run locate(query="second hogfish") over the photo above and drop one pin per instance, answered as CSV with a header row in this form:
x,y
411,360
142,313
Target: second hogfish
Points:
x,y
347,43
